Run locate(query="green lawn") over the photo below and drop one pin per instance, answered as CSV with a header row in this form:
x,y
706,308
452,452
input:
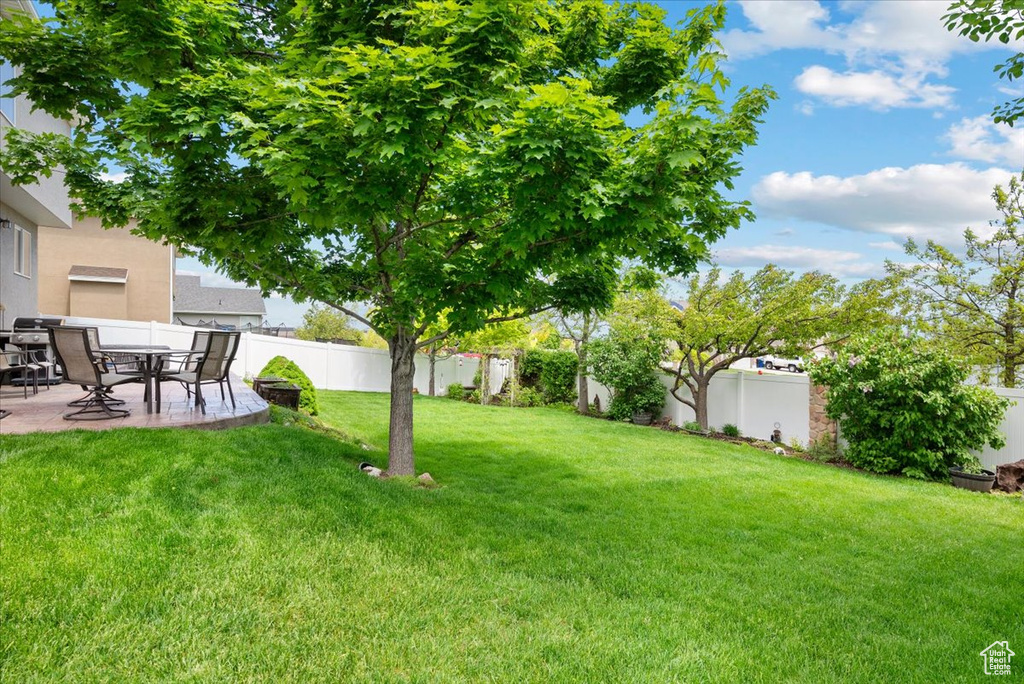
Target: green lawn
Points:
x,y
558,549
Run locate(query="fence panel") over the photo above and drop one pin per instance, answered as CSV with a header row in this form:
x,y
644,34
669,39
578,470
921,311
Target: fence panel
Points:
x,y
752,402
1012,427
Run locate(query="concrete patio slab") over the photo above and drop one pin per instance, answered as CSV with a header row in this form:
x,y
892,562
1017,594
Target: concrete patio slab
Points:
x,y
44,412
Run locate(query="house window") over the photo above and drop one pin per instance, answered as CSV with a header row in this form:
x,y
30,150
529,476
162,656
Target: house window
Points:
x,y
22,252
6,101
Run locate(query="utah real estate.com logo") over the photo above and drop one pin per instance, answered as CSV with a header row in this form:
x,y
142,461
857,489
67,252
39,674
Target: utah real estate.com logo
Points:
x,y
997,658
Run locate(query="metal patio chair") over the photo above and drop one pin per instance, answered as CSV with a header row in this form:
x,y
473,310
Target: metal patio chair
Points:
x,y
210,367
81,366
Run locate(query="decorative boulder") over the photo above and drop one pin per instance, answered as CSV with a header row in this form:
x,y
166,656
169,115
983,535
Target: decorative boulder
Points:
x,y
1010,477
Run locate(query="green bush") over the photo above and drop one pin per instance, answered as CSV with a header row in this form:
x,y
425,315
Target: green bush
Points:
x,y
904,407
530,367
629,368
456,391
558,376
527,396
730,430
282,367
824,449
692,426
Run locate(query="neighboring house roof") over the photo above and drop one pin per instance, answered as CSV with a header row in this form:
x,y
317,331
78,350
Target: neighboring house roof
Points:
x,y
191,297
98,274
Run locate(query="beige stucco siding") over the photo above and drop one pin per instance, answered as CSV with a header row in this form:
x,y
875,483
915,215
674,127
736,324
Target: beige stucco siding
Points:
x,y
99,300
146,295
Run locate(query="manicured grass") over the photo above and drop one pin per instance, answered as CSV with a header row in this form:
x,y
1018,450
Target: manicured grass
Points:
x,y
558,549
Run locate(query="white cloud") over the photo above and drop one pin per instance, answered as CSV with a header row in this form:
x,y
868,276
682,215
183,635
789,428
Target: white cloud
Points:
x,y
875,89
887,244
910,31
837,262
981,139
114,177
806,107
891,48
929,201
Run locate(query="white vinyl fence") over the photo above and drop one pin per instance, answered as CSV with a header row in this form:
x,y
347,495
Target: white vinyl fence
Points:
x,y
754,403
1012,427
329,366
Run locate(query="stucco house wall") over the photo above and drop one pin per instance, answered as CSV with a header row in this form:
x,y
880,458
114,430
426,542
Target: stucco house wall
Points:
x,y
144,296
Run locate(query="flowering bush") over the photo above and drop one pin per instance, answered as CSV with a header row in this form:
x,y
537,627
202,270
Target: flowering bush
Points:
x,y
904,408
629,368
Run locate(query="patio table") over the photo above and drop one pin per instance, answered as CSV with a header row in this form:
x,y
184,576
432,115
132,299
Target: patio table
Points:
x,y
152,359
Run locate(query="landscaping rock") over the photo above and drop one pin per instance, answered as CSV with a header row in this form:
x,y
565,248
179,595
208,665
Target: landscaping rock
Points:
x,y
1010,477
426,479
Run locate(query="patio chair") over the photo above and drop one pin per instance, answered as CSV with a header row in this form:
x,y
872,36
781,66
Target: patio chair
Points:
x,y
10,364
210,367
82,367
39,358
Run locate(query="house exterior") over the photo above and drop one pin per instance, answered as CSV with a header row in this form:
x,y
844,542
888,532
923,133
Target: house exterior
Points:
x,y
223,307
24,208
104,273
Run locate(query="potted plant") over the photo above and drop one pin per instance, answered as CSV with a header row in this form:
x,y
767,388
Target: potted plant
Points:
x,y
647,400
972,476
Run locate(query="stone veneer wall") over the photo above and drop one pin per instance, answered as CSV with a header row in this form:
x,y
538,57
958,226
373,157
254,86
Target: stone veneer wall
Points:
x,y
818,423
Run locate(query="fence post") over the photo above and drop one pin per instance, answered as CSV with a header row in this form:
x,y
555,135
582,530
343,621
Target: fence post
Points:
x,y
329,351
741,402
247,338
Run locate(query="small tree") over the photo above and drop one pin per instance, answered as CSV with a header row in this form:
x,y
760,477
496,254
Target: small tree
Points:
x,y
904,408
974,303
324,323
773,311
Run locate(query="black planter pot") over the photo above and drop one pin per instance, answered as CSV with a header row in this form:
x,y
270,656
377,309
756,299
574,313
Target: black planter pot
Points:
x,y
640,418
976,483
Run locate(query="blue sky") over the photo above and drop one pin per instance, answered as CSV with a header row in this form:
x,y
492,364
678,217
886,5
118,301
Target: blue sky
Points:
x,y
881,132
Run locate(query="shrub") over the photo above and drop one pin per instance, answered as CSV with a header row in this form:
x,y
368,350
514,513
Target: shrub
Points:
x,y
629,368
692,426
283,367
524,396
456,391
558,376
905,408
552,372
475,396
730,430
530,367
824,449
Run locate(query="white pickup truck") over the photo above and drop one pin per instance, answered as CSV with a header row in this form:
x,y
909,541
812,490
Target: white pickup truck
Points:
x,y
779,363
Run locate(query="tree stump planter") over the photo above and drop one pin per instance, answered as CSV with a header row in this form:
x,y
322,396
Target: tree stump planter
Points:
x,y
642,418
259,385
283,394
976,483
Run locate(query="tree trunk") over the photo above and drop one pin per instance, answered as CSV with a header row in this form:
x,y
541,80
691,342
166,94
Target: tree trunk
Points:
x,y
700,400
583,405
433,362
403,370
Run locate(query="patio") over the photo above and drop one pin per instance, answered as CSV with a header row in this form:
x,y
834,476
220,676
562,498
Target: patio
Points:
x,y
44,412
